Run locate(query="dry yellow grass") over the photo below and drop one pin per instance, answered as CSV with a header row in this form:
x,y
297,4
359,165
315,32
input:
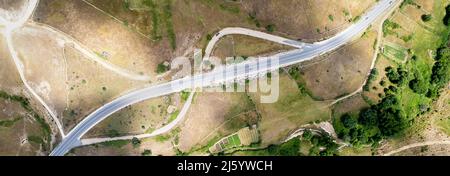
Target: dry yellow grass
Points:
x,y
343,71
292,110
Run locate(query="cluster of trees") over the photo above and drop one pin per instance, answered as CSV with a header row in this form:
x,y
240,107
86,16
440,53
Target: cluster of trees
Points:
x,y
440,73
290,148
397,76
322,145
419,85
374,123
401,76
441,69
325,142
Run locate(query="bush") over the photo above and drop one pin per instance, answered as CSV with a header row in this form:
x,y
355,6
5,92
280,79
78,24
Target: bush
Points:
x,y
147,153
161,68
426,17
397,76
373,76
447,16
270,28
136,142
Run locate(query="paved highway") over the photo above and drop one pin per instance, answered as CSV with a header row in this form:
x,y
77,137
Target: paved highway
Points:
x,y
243,70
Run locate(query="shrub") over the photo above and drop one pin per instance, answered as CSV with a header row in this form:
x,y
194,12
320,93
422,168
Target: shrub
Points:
x,y
426,17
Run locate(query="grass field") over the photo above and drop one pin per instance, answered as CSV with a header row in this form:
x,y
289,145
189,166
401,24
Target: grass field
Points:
x,y
444,125
395,52
293,109
234,141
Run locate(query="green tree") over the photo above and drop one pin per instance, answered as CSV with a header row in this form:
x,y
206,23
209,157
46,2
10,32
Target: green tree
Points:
x,y
447,16
368,117
419,86
392,122
307,135
348,121
161,68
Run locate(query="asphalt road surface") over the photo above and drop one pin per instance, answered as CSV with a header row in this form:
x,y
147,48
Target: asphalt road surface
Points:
x,y
243,70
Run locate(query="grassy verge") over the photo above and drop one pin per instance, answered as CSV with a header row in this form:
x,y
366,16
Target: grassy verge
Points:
x,y
167,11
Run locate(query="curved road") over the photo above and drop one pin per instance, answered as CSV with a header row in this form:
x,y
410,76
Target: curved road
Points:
x,y
252,33
208,51
241,70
